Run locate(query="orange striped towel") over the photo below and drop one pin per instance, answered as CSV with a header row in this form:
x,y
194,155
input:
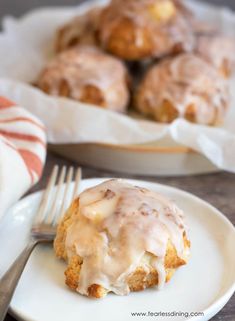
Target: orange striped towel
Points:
x,y
22,152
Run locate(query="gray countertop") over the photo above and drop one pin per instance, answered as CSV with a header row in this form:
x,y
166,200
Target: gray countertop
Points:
x,y
218,189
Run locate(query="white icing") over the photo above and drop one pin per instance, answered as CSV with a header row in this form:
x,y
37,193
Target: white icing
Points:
x,y
86,65
165,33
217,50
81,30
185,80
117,224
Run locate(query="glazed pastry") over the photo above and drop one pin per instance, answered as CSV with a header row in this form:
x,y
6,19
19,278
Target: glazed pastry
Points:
x,y
183,86
219,50
81,30
118,238
201,27
88,75
135,30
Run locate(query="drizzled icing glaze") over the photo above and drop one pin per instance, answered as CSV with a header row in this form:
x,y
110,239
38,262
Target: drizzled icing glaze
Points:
x,y
116,225
201,27
87,65
165,20
217,50
81,30
185,80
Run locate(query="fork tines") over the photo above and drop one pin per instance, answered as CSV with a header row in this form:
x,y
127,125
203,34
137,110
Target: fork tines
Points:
x,y
58,194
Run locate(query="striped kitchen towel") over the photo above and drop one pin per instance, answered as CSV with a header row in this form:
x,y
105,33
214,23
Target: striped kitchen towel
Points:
x,y
22,152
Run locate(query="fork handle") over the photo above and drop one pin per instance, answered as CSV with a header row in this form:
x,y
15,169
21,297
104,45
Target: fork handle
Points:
x,y
10,279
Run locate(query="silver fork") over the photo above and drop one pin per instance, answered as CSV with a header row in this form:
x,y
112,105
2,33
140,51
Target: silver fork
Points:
x,y
43,228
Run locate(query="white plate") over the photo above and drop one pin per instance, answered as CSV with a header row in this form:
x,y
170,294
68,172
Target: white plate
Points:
x,y
204,285
147,160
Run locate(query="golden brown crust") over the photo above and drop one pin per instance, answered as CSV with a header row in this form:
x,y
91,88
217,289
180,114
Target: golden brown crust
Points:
x,y
80,30
141,279
135,30
184,86
92,95
85,74
96,291
89,94
59,242
123,42
167,112
226,70
144,276
72,272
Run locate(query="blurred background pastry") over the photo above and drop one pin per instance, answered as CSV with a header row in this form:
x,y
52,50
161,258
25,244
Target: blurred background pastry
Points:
x,y
219,50
118,238
201,27
134,30
183,86
88,75
80,30
190,59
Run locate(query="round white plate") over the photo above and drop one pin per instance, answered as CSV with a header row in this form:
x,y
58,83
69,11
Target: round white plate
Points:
x,y
204,285
147,160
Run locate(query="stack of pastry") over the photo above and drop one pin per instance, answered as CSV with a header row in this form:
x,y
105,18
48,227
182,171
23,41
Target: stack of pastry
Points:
x,y
116,237
189,63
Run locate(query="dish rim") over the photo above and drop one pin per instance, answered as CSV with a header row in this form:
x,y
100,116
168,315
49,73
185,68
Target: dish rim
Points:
x,y
220,302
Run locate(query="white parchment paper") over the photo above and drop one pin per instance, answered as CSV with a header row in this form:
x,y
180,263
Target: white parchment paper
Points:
x,y
26,44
